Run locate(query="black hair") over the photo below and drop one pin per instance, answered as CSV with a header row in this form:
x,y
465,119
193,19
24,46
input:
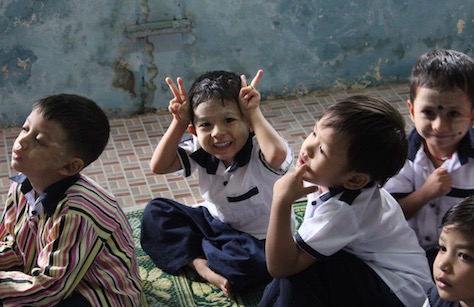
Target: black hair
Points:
x,y
461,216
85,124
219,84
374,135
443,70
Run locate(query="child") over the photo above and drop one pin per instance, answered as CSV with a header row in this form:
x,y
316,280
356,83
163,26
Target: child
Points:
x,y
440,164
64,241
354,247
453,267
238,156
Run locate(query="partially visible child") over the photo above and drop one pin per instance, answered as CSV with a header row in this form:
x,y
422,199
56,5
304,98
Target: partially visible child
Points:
x,y
64,241
354,247
453,267
238,156
440,166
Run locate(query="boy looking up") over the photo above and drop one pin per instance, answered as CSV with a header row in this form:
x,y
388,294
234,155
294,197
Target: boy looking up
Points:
x,y
64,241
354,247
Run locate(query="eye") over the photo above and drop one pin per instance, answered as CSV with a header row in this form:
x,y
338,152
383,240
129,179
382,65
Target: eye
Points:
x,y
465,257
428,113
441,248
204,124
454,114
321,150
229,120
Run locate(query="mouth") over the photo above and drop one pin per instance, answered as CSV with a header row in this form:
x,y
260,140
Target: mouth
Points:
x,y
441,283
223,144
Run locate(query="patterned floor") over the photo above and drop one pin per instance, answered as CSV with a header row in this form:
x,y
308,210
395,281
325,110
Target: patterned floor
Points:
x,y
123,168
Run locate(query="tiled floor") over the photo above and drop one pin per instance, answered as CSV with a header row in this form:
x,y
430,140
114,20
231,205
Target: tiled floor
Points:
x,y
123,168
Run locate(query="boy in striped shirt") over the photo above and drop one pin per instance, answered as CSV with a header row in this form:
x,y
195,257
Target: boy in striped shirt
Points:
x,y
63,239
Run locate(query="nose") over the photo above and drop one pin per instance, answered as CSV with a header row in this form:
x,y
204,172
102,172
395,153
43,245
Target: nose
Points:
x,y
442,260
440,124
218,130
22,140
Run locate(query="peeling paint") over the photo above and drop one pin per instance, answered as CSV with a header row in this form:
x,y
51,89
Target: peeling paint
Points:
x,y
124,78
460,25
23,63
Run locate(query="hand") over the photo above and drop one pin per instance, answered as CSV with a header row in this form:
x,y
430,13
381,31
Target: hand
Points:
x,y
438,183
290,187
179,105
249,97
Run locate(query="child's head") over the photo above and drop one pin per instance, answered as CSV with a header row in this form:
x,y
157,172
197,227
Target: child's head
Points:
x,y
84,123
357,140
219,85
216,118
443,70
441,100
453,268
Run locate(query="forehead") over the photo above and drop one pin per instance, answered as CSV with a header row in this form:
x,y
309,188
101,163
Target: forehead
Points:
x,y
50,129
215,107
455,99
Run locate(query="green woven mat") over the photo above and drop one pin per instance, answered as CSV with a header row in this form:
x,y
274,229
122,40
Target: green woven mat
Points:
x,y
188,289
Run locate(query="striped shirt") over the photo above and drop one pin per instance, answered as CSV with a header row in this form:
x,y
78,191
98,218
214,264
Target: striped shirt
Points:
x,y
79,240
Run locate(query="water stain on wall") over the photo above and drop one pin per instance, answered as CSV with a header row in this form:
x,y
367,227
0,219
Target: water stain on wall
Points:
x,y
124,78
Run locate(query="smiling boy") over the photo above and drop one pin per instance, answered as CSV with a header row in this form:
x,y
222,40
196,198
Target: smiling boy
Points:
x,y
440,164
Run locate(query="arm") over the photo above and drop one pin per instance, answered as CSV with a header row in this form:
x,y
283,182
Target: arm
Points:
x,y
165,158
437,184
284,257
70,246
271,143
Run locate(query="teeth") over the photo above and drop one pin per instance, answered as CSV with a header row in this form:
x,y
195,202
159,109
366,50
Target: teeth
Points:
x,y
222,144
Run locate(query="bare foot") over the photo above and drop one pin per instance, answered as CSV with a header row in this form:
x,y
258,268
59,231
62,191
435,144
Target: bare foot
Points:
x,y
200,265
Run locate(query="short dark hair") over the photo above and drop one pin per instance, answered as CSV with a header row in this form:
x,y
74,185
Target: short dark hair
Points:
x,y
219,84
85,124
374,135
444,70
461,216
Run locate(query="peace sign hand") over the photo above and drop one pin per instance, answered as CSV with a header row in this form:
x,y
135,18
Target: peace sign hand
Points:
x,y
179,105
249,97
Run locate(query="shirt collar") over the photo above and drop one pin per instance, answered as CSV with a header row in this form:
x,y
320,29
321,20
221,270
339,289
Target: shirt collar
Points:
x,y
51,195
210,162
465,148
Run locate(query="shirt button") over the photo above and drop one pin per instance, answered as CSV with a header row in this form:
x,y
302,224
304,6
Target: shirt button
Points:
x,y
427,238
225,183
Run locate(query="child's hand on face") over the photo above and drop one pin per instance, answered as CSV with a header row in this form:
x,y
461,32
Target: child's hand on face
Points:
x,y
438,183
290,187
179,105
249,97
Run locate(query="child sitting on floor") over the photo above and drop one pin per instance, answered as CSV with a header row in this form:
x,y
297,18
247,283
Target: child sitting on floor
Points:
x,y
238,156
64,241
354,247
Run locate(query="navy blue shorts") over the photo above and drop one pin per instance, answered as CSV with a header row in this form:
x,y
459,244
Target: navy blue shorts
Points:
x,y
173,234
340,280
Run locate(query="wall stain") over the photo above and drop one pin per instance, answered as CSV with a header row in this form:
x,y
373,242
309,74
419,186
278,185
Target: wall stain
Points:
x,y
460,25
124,78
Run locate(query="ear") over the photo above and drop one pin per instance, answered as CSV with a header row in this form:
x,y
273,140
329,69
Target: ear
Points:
x,y
192,129
412,110
356,181
74,166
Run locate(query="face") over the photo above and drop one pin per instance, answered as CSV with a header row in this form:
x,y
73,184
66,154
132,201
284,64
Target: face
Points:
x,y
38,151
325,157
221,129
441,118
453,268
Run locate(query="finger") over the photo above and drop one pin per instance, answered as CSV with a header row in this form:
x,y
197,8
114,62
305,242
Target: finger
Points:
x,y
173,88
256,79
243,81
182,89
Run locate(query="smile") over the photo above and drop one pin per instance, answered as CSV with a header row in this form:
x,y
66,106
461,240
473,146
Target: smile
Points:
x,y
223,144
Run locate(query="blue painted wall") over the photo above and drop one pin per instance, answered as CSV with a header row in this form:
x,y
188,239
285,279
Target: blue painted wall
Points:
x,y
118,52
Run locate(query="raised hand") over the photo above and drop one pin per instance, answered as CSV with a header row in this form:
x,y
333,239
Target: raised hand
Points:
x,y
179,105
249,97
